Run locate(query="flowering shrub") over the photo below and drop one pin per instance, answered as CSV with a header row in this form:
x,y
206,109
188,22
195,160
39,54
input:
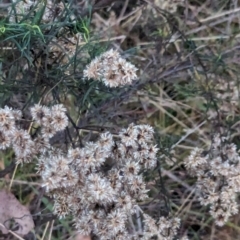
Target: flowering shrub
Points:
x,y
101,184
51,51
218,179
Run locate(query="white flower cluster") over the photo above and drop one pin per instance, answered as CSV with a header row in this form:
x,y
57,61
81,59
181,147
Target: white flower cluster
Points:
x,y
20,8
164,229
101,184
218,178
112,69
51,120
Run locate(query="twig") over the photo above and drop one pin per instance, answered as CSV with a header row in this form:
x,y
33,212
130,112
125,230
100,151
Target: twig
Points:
x,y
236,10
21,182
139,223
13,233
185,200
11,182
50,231
45,230
132,224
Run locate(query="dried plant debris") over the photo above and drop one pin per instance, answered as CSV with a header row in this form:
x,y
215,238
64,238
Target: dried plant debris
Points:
x,y
12,209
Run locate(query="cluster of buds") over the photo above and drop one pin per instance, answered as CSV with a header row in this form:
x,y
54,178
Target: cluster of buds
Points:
x,y
50,120
218,179
163,229
112,69
101,183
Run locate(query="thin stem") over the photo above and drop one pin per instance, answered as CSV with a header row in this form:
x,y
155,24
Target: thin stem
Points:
x,y
50,231
45,230
14,173
13,233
